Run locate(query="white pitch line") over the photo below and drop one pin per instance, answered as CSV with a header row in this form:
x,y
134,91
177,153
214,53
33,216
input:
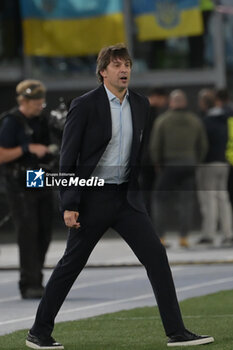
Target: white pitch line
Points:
x,y
111,280
205,284
144,296
96,283
114,302
158,317
90,284
15,279
107,303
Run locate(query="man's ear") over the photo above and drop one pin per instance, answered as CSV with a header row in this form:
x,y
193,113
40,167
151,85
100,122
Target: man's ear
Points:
x,y
103,73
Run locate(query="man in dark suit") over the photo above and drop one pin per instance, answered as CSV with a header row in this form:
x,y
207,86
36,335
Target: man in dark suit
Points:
x,y
103,137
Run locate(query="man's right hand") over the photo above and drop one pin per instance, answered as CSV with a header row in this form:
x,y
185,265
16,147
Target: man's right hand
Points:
x,y
70,218
38,149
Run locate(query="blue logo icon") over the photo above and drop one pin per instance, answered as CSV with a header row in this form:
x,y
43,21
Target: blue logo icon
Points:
x,y
35,178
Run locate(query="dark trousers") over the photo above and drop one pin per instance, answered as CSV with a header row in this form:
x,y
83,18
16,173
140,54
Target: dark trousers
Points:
x,y
100,210
32,216
174,189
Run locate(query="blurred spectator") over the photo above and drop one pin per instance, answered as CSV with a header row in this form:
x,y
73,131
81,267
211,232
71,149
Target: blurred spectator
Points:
x,y
158,99
213,194
223,101
206,100
178,142
24,140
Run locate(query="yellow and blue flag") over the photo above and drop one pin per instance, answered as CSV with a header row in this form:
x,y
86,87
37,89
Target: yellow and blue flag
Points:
x,y
71,27
162,19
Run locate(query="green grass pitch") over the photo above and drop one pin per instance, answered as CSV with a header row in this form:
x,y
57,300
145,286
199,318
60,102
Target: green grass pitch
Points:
x,y
141,328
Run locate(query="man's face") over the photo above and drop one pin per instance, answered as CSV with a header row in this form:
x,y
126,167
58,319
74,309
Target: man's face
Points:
x,y
33,108
117,74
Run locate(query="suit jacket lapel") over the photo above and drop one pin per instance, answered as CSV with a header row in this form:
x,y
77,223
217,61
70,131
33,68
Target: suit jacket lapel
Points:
x,y
136,126
104,112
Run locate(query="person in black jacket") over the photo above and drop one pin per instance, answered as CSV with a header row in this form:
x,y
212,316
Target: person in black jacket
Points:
x,y
224,102
103,137
215,202
24,140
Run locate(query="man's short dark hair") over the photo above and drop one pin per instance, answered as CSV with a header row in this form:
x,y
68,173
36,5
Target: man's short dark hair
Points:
x,y
109,53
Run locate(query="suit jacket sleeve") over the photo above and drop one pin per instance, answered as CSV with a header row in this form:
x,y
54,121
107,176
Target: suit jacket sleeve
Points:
x,y
70,150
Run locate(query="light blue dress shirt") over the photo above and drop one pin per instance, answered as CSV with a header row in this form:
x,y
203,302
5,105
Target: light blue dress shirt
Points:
x,y
113,166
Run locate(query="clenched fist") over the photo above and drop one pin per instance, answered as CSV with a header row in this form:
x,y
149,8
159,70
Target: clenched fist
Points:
x,y
70,218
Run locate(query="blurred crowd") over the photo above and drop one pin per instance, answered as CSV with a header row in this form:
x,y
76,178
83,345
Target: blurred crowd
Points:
x,y
188,158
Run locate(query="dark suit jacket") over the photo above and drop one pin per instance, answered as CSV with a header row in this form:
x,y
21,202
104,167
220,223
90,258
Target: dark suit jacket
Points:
x,y
86,135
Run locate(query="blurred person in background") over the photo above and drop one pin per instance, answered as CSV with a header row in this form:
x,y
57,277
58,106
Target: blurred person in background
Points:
x,y
213,184
206,100
178,143
223,101
158,99
24,140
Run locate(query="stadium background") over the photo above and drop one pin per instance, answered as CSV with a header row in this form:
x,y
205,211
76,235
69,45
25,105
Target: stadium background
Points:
x,y
177,43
